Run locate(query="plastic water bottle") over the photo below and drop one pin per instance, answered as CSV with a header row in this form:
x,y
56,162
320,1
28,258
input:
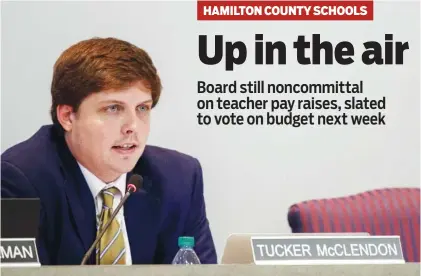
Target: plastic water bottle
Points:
x,y
186,255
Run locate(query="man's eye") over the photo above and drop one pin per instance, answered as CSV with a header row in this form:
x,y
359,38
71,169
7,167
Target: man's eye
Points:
x,y
113,108
144,108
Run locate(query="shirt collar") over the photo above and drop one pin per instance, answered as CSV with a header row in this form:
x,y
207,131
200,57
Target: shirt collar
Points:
x,y
96,185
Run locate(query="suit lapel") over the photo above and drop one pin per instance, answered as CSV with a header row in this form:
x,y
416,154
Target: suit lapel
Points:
x,y
141,212
81,202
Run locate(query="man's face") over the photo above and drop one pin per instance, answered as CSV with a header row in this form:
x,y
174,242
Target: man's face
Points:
x,y
109,131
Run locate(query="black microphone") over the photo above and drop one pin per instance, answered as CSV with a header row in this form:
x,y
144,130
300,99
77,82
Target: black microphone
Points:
x,y
135,183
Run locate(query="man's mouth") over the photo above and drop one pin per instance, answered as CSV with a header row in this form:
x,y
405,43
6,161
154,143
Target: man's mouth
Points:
x,y
125,148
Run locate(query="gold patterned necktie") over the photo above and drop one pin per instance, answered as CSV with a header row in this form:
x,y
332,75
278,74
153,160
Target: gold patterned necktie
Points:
x,y
111,248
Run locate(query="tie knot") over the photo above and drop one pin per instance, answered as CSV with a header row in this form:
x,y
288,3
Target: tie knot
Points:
x,y
108,195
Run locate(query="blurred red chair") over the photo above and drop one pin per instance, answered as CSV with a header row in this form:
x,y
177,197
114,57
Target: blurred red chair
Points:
x,y
389,211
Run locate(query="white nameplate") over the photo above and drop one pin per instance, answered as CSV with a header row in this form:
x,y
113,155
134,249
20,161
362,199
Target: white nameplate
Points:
x,y
19,253
338,249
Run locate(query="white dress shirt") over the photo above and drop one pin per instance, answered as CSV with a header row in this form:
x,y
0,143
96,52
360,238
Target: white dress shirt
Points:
x,y
96,186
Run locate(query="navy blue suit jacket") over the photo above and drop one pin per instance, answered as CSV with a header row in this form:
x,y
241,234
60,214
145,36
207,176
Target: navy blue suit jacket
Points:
x,y
171,203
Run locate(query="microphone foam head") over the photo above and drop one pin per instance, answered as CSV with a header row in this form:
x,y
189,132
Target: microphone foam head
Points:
x,y
135,182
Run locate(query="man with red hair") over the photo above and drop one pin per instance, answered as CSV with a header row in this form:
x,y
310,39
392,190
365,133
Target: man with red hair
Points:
x,y
103,91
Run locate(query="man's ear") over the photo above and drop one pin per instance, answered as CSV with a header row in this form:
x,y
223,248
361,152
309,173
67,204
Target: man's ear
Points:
x,y
65,116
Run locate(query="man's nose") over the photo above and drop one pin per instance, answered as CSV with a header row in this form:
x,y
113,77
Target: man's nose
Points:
x,y
130,123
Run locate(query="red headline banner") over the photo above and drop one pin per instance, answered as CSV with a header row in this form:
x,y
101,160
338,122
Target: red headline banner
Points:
x,y
284,10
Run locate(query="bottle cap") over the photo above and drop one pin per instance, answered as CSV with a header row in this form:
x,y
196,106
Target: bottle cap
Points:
x,y
186,242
